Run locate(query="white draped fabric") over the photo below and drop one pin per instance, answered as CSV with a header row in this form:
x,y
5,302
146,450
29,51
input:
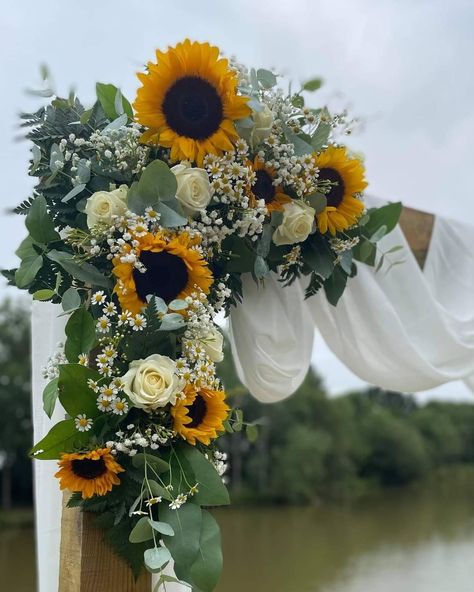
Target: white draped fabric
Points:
x,y
404,330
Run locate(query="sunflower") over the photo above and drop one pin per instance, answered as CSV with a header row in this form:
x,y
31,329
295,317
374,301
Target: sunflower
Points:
x,y
91,473
189,102
200,415
343,208
173,270
263,188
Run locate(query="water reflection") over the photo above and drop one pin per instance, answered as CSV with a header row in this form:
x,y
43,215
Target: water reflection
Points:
x,y
419,539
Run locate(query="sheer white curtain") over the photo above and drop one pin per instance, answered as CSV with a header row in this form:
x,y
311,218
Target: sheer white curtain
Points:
x,y
405,330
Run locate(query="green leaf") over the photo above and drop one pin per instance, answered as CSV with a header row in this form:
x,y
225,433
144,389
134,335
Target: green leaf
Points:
x,y
74,394
141,532
50,395
158,490
117,123
107,93
379,234
184,545
74,191
172,322
212,492
321,136
207,569
300,145
266,78
365,252
242,257
85,272
158,464
156,183
297,101
335,285
42,295
27,271
63,437
312,85
71,300
26,249
39,223
251,431
178,305
36,152
346,262
168,217
261,268
161,527
80,332
318,256
155,559
317,201
385,216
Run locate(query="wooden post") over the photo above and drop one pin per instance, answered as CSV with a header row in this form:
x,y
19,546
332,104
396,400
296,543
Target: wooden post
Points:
x,y
87,562
417,227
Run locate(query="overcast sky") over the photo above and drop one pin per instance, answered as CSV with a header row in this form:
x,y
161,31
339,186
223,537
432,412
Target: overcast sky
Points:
x,y
405,67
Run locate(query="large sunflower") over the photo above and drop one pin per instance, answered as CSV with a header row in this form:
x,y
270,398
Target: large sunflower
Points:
x,y
173,270
263,188
91,473
189,102
200,415
343,208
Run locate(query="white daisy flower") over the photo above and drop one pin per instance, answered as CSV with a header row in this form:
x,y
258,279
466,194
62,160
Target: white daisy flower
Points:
x,y
119,406
104,404
93,385
138,322
103,324
108,391
109,352
98,297
124,318
110,309
83,359
83,423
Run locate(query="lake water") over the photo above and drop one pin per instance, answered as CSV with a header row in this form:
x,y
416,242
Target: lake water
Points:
x,y
419,539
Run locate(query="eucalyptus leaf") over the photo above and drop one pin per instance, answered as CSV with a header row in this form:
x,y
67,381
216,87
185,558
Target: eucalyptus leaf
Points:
x,y
261,268
83,172
85,272
117,123
178,305
206,570
156,183
300,145
161,527
74,191
39,223
346,262
313,84
266,78
335,285
43,295
320,137
55,156
317,201
36,152
172,321
251,432
155,559
168,217
71,300
158,464
141,532
27,271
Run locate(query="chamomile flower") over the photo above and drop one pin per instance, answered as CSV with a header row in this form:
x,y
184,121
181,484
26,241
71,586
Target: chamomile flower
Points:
x,y
110,309
93,385
109,352
83,359
138,322
104,404
103,324
153,500
108,391
118,383
151,214
124,318
119,406
98,297
83,423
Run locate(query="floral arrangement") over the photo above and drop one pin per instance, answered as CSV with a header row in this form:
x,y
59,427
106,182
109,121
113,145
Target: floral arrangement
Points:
x,y
142,222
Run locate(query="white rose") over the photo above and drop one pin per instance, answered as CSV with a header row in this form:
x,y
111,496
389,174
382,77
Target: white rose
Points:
x,y
262,125
297,223
102,205
213,343
194,190
153,382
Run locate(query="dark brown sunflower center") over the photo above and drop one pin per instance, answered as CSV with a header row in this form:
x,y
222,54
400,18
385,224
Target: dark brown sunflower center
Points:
x,y
336,193
197,411
263,187
88,468
193,108
166,276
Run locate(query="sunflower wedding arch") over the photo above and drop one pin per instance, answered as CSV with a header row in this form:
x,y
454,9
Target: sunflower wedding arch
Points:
x,y
146,222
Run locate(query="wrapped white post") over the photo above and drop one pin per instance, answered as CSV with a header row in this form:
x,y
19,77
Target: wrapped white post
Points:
x,y
71,555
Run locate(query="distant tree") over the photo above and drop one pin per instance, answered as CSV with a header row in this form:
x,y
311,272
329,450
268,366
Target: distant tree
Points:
x,y
15,403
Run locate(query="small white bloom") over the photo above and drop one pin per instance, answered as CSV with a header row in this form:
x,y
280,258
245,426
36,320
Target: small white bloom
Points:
x,y
98,297
104,404
82,423
83,359
103,324
138,322
109,309
119,406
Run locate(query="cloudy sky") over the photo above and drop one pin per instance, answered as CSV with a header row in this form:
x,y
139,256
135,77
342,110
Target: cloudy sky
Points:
x,y
403,66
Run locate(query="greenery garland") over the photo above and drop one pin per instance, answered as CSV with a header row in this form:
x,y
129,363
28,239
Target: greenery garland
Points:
x,y
141,225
